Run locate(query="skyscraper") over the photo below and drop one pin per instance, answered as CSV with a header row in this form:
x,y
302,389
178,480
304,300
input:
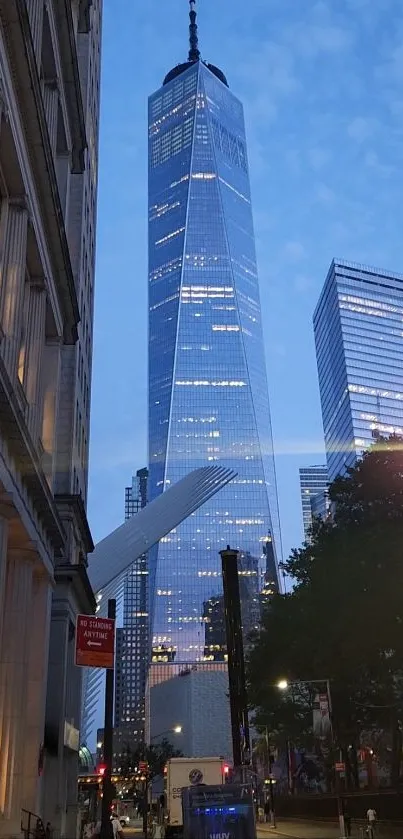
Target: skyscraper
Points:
x,y
208,396
136,494
313,483
132,638
359,349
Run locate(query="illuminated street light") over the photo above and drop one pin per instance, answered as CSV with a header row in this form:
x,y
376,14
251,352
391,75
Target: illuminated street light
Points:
x,y
283,685
177,729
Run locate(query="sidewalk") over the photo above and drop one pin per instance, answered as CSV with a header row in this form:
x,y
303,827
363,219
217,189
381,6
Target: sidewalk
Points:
x,y
301,829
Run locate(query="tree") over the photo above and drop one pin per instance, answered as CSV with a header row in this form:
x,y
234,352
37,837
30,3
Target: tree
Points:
x,y
155,756
344,619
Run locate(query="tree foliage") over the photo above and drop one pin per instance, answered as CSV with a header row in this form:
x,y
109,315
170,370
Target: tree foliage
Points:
x,y
155,755
343,620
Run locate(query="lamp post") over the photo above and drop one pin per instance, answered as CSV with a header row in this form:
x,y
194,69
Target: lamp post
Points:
x,y
177,729
283,684
271,791
106,829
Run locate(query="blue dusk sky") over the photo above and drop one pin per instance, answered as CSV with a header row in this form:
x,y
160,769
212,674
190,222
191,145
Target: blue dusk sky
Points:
x,y
321,84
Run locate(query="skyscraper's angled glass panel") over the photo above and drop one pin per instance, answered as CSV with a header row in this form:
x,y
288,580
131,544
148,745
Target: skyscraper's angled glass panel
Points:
x,y
208,397
359,349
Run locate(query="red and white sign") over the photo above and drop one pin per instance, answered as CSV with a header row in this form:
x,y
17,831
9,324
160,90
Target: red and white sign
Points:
x,y
95,642
340,767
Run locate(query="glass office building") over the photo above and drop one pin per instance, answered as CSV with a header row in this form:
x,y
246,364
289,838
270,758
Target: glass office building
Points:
x,y
132,641
208,396
313,483
359,349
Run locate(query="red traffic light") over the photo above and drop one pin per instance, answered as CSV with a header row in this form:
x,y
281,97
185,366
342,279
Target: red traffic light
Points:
x,y
226,769
101,769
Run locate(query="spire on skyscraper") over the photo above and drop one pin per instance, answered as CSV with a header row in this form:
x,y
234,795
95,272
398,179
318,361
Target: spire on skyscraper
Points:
x,y
194,52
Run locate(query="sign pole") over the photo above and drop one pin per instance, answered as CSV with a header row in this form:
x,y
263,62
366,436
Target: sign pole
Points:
x,y
106,826
340,766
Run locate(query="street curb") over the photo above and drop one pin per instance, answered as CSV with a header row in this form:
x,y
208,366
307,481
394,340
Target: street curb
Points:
x,y
272,831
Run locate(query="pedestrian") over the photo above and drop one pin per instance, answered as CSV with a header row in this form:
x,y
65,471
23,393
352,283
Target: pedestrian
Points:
x,y
267,811
96,830
48,831
39,830
347,820
158,831
371,819
88,830
117,828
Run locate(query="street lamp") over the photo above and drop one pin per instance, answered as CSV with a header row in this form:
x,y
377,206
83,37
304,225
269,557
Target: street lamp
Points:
x,y
270,779
177,729
283,685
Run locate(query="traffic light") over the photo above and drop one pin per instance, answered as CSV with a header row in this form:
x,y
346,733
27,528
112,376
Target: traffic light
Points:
x,y
101,769
227,773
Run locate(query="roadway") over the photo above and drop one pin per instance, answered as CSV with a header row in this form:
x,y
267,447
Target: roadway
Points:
x,y
300,829
305,829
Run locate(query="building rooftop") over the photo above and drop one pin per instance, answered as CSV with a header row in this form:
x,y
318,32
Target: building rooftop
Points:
x,y
194,53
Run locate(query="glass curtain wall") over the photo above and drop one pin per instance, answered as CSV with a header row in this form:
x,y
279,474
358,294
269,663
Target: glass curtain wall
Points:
x,y
208,396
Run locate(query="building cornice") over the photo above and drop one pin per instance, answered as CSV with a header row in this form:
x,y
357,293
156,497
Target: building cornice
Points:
x,y
76,576
74,505
20,48
71,82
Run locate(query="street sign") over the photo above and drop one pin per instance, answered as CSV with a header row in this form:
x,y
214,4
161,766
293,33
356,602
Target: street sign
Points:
x,y
340,767
95,642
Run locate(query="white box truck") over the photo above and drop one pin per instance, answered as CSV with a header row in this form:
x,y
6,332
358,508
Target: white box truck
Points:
x,y
187,772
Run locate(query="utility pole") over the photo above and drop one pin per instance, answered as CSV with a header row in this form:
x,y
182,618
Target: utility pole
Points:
x,y
106,826
340,804
236,662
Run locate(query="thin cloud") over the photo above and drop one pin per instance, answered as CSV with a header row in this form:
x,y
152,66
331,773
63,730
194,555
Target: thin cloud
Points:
x,y
361,129
324,194
319,157
294,251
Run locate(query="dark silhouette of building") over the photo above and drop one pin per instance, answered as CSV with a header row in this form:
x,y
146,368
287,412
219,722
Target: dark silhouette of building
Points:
x,y
132,651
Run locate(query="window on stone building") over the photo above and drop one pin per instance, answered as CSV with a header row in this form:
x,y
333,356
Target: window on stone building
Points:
x,y
22,354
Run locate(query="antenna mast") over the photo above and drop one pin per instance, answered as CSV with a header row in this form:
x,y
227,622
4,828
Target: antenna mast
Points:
x,y
194,52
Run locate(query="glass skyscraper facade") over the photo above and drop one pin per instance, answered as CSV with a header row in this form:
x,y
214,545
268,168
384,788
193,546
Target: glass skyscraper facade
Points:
x,y
359,348
313,483
208,395
132,641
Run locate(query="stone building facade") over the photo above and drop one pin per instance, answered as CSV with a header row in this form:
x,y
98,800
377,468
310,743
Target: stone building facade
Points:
x,y
49,112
